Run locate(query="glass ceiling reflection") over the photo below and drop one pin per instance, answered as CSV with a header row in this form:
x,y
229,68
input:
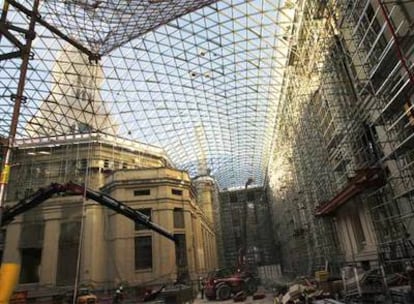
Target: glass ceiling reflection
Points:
x,y
203,85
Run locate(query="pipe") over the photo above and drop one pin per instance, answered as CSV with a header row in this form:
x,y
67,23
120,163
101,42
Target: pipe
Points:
x,y
9,275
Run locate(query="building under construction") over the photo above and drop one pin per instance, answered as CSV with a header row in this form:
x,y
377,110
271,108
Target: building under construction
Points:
x,y
341,176
259,238
292,122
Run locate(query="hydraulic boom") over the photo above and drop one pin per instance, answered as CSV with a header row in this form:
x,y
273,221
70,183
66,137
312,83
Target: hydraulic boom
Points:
x,y
43,194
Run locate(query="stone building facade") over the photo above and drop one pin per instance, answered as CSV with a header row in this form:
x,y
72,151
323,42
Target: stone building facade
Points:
x,y
70,237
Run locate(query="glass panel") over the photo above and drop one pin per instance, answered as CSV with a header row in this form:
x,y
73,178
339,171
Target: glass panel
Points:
x,y
143,252
179,218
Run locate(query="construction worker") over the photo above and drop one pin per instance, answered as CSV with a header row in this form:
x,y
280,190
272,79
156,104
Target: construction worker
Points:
x,y
201,286
119,295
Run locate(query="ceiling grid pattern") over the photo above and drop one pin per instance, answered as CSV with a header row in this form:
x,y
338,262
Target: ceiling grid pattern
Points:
x,y
201,79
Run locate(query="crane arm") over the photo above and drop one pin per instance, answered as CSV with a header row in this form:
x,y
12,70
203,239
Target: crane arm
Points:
x,y
120,208
43,194
30,202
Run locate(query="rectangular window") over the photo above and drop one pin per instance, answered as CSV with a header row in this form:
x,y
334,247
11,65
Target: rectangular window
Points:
x,y
142,192
147,213
143,252
106,163
32,234
177,192
68,252
31,258
179,218
181,256
358,230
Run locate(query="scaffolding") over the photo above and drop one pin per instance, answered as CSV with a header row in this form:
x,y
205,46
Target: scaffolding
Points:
x,y
336,75
308,244
346,115
379,37
259,238
37,163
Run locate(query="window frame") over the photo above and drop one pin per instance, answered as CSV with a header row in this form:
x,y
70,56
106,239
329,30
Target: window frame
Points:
x,y
142,192
146,256
177,192
178,218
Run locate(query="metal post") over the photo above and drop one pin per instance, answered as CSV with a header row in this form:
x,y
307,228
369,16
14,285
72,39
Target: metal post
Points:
x,y
243,249
18,99
358,284
4,14
398,49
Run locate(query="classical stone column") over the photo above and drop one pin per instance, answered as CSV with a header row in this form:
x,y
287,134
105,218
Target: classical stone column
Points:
x,y
94,246
50,250
11,251
164,249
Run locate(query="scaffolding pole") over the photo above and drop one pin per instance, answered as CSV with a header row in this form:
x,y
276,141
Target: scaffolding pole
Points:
x,y
19,98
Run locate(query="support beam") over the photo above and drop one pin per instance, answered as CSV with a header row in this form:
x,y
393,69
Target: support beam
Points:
x,y
4,31
19,99
400,54
54,30
11,55
3,16
369,178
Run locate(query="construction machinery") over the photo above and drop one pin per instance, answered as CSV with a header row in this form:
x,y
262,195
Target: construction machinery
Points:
x,y
223,283
43,194
9,272
85,296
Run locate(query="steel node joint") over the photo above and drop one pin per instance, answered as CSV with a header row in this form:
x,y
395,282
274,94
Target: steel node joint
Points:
x,y
26,51
14,97
94,58
30,35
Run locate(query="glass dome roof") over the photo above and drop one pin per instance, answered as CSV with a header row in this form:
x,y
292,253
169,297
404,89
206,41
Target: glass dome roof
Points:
x,y
201,79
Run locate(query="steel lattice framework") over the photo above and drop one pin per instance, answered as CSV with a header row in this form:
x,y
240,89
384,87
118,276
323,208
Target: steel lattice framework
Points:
x,y
201,79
